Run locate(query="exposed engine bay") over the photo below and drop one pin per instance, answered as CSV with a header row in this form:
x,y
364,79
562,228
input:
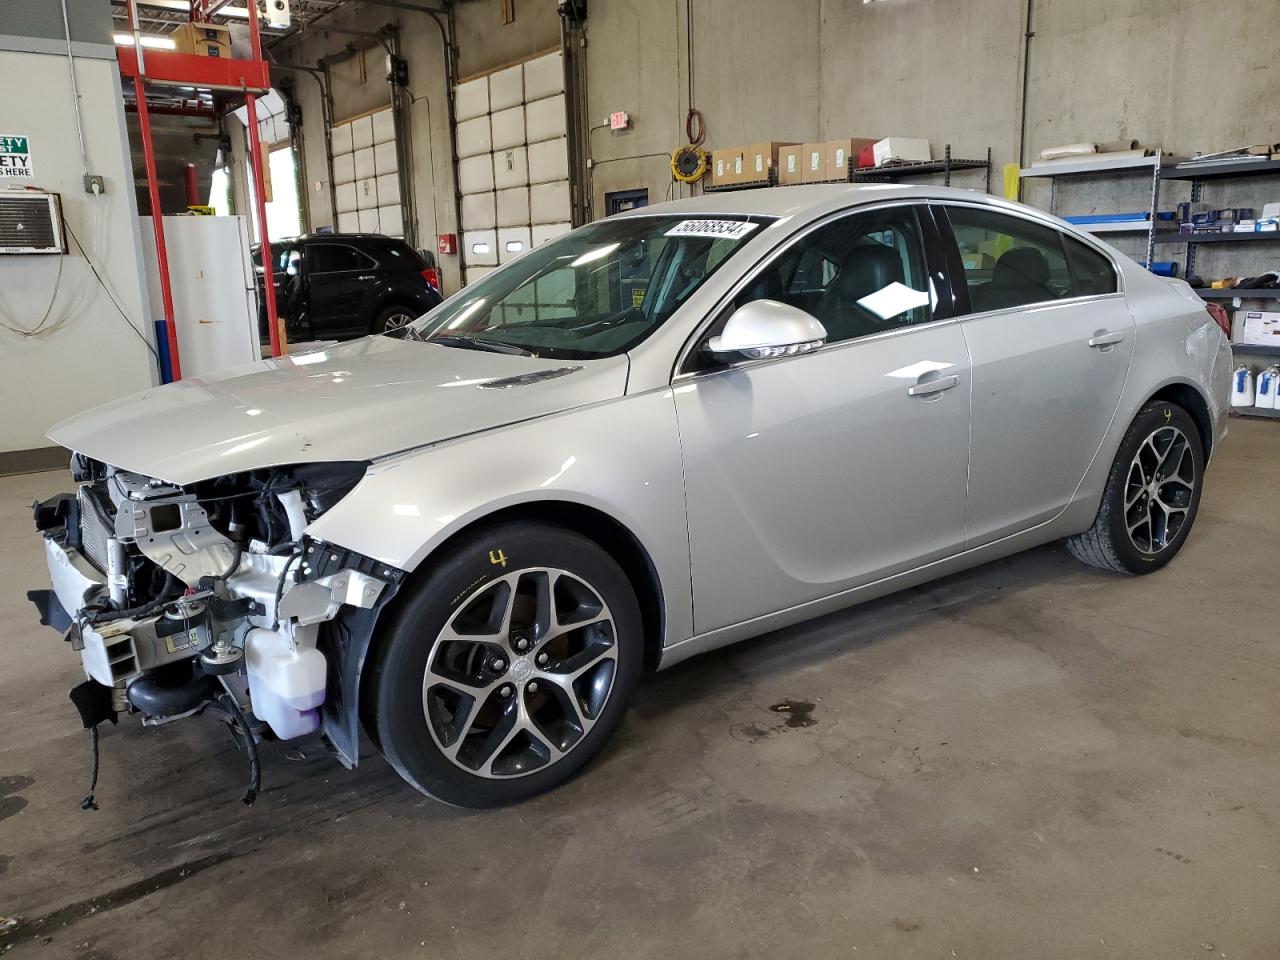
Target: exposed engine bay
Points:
x,y
211,598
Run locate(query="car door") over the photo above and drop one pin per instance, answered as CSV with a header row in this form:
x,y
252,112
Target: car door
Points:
x,y
812,474
338,278
1051,337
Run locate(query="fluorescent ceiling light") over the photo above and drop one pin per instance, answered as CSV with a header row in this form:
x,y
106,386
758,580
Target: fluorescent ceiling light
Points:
x,y
150,42
184,6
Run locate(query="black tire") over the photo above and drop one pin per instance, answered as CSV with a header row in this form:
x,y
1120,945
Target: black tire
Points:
x,y
396,716
1108,544
384,319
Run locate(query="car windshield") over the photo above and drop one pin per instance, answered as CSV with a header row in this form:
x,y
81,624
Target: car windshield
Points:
x,y
595,292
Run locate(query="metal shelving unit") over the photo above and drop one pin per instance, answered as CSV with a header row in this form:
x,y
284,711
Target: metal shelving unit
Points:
x,y
919,168
1194,239
890,174
1197,172
1259,349
1233,293
1148,166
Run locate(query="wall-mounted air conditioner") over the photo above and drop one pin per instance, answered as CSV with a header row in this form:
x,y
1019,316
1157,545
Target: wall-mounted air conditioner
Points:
x,y
31,222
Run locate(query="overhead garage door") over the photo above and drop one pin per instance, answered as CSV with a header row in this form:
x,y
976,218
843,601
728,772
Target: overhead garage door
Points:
x,y
513,162
366,176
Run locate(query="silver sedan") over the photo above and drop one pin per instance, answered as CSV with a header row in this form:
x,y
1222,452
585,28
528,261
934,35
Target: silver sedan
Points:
x,y
650,437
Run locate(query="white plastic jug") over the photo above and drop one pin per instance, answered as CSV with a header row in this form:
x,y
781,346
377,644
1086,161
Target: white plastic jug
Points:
x,y
286,686
1242,387
1268,381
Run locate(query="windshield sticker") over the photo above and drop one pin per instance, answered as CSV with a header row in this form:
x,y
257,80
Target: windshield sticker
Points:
x,y
717,229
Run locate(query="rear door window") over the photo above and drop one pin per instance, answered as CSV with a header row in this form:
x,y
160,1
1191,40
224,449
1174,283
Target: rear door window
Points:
x,y
335,258
1009,261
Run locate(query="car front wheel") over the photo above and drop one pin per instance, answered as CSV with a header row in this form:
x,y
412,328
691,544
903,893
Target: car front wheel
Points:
x,y
508,667
1152,494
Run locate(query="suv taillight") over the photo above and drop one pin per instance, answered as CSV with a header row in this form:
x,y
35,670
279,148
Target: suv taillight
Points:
x,y
432,276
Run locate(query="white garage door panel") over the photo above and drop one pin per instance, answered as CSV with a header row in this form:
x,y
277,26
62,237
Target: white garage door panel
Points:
x,y
506,88
362,132
390,221
544,77
549,202
384,127
480,248
478,212
384,159
542,232
344,197
471,99
475,174
512,242
511,168
344,168
508,128
349,222
366,193
364,163
474,137
475,273
388,189
549,161
513,207
369,221
340,138
545,119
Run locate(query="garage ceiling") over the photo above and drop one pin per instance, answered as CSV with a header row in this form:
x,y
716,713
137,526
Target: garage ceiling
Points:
x,y
164,16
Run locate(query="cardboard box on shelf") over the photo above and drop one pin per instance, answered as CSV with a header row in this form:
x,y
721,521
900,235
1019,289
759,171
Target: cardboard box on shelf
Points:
x,y
761,158
724,162
842,155
901,149
203,39
1256,327
814,162
791,164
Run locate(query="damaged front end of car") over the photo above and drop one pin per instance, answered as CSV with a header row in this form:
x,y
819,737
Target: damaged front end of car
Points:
x,y
212,598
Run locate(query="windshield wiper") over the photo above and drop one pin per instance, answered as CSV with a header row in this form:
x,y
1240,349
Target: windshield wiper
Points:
x,y
473,343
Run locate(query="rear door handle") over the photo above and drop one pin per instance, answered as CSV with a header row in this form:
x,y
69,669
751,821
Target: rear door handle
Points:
x,y
1103,339
929,387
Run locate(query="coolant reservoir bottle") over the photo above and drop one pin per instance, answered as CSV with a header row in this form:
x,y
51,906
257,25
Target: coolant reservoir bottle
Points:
x,y
1265,394
1242,387
286,685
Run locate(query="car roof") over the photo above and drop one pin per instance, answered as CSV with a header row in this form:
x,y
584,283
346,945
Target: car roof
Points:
x,y
807,199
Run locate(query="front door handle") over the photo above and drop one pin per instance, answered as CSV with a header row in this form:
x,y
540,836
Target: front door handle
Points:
x,y
930,387
1103,339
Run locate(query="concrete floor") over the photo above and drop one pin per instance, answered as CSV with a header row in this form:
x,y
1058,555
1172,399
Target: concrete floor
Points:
x,y
1033,759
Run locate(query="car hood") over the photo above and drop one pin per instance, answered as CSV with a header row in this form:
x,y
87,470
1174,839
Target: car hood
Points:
x,y
358,401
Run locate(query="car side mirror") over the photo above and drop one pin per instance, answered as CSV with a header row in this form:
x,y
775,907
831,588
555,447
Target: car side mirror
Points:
x,y
763,329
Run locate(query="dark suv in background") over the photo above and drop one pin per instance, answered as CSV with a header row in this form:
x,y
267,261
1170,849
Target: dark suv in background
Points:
x,y
341,285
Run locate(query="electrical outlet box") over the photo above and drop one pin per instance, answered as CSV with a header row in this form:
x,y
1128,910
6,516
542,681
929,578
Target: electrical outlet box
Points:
x,y
94,184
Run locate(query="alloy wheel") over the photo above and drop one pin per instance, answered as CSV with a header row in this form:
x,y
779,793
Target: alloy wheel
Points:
x,y
521,672
1159,490
396,320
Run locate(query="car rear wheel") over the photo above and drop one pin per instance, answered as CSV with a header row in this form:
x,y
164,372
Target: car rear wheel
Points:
x,y
1152,494
393,318
508,668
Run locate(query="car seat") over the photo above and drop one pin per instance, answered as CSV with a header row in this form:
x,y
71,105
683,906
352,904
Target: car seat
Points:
x,y
868,268
1021,276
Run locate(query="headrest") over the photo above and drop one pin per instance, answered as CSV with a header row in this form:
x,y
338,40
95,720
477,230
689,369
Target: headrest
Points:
x,y
1020,266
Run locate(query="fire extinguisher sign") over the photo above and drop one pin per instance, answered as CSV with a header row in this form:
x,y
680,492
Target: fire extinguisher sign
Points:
x,y
15,157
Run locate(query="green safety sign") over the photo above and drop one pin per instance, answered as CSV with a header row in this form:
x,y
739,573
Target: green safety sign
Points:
x,y
15,157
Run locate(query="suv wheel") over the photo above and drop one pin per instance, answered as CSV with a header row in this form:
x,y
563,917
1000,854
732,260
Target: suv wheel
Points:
x,y
509,666
393,318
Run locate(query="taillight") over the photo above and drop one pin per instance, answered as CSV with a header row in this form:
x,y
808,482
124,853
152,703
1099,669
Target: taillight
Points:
x,y
432,276
1220,317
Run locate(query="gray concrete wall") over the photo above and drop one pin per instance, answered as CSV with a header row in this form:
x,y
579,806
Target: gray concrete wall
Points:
x,y
1183,74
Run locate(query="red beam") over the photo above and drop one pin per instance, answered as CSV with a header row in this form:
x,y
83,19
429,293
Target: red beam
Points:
x,y
157,213
167,68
